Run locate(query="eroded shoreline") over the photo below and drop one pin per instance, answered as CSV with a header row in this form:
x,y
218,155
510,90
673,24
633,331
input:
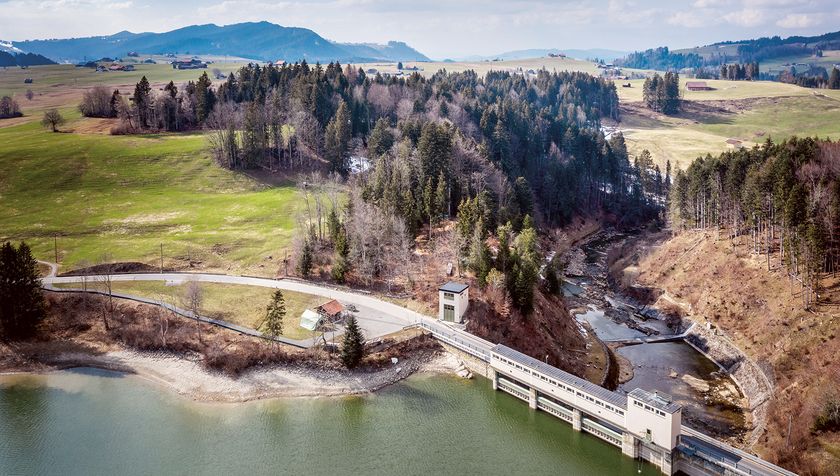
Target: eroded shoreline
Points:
x,y
186,376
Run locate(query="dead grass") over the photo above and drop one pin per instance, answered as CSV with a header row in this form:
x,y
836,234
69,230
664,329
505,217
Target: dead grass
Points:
x,y
756,309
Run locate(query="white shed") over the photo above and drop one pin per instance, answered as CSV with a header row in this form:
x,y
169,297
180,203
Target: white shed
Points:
x,y
454,301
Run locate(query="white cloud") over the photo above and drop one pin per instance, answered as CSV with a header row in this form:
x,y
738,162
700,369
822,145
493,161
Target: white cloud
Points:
x,y
747,18
799,20
696,19
710,3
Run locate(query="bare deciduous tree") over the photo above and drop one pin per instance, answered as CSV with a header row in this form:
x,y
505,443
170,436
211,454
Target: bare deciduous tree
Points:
x,y
193,301
105,280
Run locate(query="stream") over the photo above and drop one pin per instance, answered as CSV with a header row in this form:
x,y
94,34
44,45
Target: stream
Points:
x,y
709,397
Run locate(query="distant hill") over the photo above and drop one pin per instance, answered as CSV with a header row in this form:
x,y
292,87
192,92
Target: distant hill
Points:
x,y
744,51
606,55
393,51
261,41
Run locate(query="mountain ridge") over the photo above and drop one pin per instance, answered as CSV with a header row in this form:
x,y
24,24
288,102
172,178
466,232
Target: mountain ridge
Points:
x,y
261,41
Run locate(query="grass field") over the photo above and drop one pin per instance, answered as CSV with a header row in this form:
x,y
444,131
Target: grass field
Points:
x,y
483,67
749,111
55,77
124,196
234,303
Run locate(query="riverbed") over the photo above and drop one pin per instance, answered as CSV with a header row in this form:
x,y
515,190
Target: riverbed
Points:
x,y
709,397
90,421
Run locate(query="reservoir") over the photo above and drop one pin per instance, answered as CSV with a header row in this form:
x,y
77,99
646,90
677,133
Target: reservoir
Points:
x,y
89,421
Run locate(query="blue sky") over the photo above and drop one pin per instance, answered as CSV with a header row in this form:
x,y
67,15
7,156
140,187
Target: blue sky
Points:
x,y
443,28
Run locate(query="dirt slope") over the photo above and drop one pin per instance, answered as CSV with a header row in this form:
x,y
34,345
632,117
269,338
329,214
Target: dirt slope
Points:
x,y
756,310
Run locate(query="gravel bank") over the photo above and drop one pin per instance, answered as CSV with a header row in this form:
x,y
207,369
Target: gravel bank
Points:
x,y
184,374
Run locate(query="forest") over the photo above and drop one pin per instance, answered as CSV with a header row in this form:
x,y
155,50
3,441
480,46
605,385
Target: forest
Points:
x,y
782,200
23,59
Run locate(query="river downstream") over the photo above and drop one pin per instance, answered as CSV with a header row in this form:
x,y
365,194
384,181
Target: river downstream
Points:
x,y
88,421
706,393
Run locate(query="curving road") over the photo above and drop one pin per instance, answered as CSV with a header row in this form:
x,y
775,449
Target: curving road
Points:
x,y
375,316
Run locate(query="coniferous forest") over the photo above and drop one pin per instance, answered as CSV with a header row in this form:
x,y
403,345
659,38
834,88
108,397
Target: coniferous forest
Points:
x,y
781,200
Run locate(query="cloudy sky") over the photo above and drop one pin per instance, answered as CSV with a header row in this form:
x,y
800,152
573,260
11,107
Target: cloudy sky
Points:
x,y
443,28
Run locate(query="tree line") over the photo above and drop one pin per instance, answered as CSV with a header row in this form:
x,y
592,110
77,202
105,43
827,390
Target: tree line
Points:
x,y
815,77
23,59
782,200
737,72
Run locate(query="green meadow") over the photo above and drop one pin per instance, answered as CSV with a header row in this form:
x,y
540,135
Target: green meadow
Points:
x,y
124,197
238,304
745,110
53,77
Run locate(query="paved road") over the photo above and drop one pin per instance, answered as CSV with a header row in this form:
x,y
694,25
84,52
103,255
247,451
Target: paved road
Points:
x,y
709,448
376,317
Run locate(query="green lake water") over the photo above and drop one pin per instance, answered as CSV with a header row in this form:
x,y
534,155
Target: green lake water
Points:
x,y
95,422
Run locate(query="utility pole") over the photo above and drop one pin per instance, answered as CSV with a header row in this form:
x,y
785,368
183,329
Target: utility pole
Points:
x,y
161,257
55,243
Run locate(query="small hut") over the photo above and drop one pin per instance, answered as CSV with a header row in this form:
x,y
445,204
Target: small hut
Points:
x,y
331,311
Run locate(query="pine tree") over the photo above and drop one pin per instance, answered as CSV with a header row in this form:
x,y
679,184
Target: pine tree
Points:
x,y
381,139
205,98
834,80
274,314
143,101
337,140
22,304
304,264
353,348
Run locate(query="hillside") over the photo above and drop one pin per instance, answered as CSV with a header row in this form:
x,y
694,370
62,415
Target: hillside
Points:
x,y
755,309
798,49
750,111
262,41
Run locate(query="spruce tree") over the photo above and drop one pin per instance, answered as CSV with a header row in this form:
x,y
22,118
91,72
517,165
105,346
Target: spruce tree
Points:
x,y
304,264
353,348
274,314
22,304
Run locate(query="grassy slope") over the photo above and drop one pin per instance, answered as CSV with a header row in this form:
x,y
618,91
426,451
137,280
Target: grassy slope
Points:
x,y
750,111
238,304
69,76
127,195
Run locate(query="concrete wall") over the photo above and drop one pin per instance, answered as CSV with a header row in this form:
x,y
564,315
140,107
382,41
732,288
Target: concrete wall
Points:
x,y
663,430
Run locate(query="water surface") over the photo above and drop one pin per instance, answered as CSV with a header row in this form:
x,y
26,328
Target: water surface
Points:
x,y
89,421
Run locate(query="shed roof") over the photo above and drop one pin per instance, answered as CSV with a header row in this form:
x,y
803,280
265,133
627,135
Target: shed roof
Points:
x,y
696,84
612,398
310,320
332,308
451,287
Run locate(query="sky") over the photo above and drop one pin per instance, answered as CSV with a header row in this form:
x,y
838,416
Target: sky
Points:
x,y
443,28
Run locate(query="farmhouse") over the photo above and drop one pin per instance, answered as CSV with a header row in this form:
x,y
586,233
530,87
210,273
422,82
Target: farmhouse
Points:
x,y
116,67
454,301
733,144
189,63
696,86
